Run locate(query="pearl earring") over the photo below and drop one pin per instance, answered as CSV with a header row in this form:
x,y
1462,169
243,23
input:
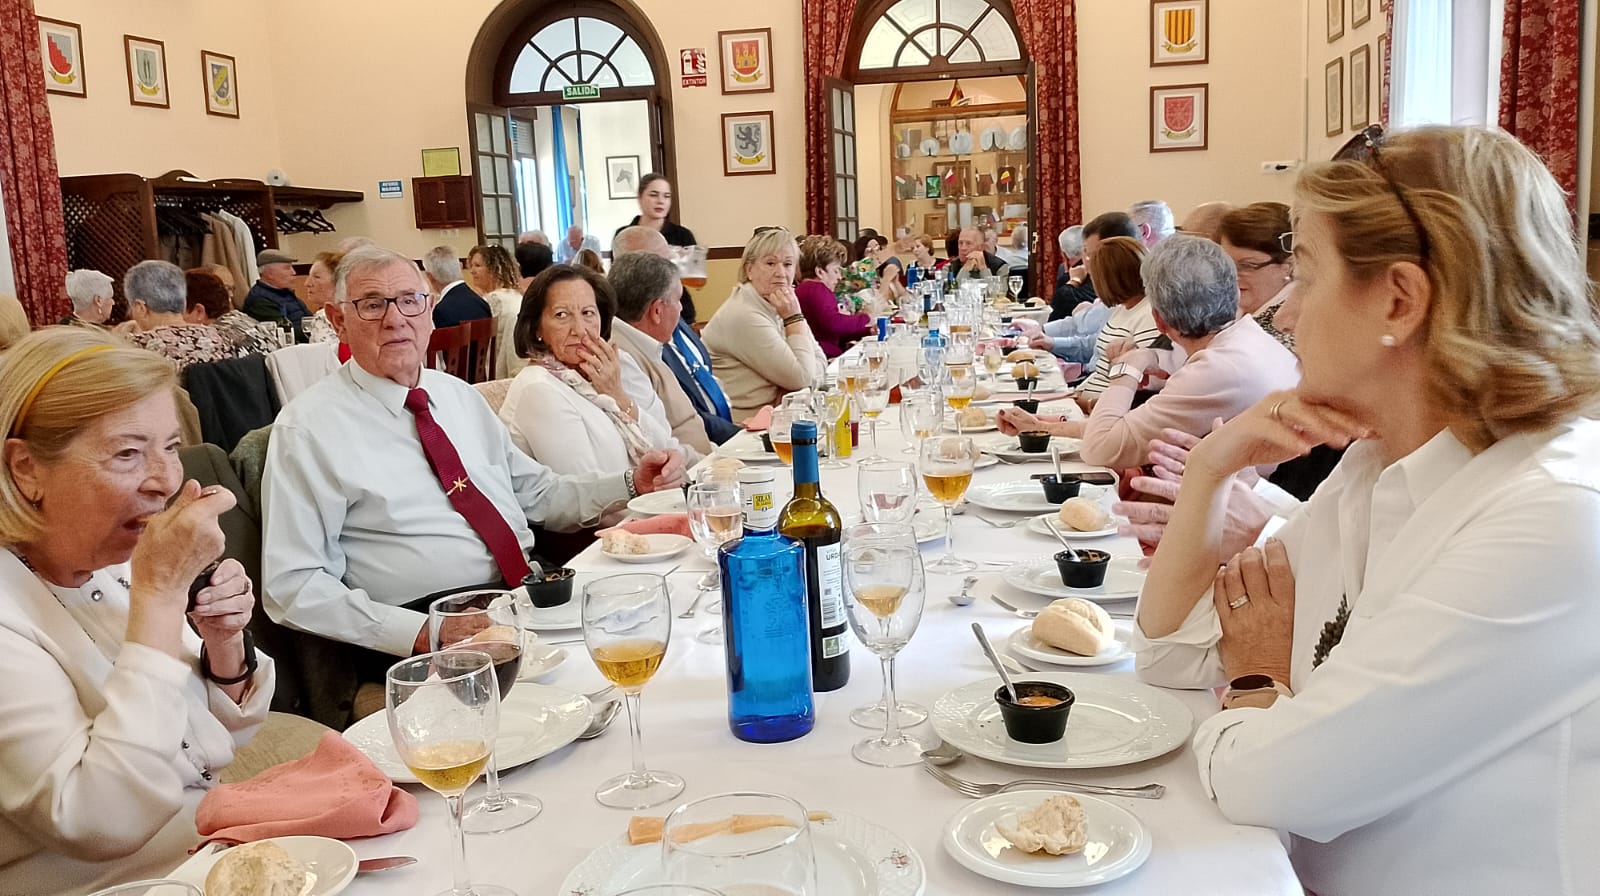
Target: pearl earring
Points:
x,y
1389,341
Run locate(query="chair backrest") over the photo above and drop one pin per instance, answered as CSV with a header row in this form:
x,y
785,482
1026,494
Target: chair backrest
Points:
x,y
494,392
483,338
447,351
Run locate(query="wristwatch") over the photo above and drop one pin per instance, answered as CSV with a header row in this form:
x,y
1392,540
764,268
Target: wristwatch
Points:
x,y
250,663
1258,691
1121,369
627,479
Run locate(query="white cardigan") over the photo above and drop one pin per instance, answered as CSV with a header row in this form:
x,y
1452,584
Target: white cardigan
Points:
x,y
756,362
561,429
102,763
1450,743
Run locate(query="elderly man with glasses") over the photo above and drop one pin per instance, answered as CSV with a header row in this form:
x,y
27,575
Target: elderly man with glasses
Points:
x,y
386,482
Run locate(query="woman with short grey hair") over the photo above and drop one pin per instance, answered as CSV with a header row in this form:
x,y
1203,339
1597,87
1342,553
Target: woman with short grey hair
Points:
x,y
157,297
92,294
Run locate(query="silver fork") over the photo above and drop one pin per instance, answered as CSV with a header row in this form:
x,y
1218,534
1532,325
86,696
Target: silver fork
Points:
x,y
1001,524
976,789
1034,614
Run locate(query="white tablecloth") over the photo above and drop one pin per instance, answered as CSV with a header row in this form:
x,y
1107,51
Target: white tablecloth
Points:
x,y
1196,851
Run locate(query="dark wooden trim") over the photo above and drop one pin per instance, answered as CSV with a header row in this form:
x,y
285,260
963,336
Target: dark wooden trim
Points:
x,y
725,253
988,110
868,14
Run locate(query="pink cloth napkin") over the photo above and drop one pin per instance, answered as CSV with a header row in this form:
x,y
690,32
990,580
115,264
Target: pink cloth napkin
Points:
x,y
335,792
663,524
760,420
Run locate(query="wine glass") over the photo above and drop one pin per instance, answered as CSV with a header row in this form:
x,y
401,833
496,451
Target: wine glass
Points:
x,y
747,843
947,463
883,570
873,393
489,622
875,353
670,890
627,622
1015,283
444,714
993,357
888,491
835,430
779,430
919,417
959,384
715,518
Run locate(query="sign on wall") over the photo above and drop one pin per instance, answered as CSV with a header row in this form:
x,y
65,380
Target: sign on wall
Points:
x,y
390,189
693,63
580,92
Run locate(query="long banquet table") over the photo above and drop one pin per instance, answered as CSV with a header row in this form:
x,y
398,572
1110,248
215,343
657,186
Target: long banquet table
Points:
x,y
1196,851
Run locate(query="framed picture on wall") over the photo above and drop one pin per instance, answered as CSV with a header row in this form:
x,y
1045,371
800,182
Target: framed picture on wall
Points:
x,y
746,60
747,143
222,84
1180,32
1178,117
1360,12
1333,96
935,189
933,225
1360,87
147,71
1382,61
61,48
622,177
1335,20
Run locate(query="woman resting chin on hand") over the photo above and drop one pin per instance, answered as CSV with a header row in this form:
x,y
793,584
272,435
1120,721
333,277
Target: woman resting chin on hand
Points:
x,y
122,706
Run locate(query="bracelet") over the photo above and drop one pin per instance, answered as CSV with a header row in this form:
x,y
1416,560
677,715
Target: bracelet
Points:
x,y
250,663
793,319
627,480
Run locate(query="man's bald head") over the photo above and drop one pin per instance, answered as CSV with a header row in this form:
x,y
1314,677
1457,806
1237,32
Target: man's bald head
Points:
x,y
640,239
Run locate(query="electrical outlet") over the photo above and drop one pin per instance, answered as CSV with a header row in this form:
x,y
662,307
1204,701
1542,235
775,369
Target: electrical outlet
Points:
x,y
1279,167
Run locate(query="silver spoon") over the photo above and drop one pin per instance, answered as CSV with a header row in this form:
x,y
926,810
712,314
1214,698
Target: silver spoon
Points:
x,y
1071,551
965,598
988,651
1055,456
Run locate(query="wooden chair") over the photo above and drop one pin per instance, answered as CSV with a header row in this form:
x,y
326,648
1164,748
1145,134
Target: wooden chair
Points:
x,y
483,340
447,351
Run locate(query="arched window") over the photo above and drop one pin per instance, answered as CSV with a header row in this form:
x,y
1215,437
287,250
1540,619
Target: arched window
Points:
x,y
580,50
939,33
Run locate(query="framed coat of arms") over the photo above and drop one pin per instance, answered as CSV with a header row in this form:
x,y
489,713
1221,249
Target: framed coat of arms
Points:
x,y
1178,116
747,143
746,60
1180,32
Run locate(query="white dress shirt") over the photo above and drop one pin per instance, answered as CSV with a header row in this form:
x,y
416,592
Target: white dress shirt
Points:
x,y
1450,744
356,523
107,747
561,429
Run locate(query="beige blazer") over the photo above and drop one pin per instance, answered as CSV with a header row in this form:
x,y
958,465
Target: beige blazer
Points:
x,y
681,415
752,357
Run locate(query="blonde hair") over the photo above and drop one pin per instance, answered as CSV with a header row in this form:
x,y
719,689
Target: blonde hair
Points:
x,y
13,322
1512,340
767,242
101,374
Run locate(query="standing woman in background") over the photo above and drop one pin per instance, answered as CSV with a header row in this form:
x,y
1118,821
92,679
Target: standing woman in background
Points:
x,y
655,203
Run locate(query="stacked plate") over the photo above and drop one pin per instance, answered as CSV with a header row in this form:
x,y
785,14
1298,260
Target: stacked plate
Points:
x,y
1041,576
1009,448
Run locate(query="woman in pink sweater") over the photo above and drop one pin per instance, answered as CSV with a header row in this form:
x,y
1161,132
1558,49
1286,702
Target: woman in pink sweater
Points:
x,y
820,260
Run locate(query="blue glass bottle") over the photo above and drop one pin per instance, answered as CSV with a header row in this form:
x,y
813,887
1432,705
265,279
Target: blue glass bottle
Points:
x,y
766,633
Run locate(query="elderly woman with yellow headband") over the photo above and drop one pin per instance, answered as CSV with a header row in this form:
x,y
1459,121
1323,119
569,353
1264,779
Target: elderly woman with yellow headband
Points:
x,y
122,699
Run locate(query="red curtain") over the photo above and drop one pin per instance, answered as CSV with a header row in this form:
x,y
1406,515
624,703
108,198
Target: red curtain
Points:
x,y
28,173
827,37
1539,82
1385,64
1050,34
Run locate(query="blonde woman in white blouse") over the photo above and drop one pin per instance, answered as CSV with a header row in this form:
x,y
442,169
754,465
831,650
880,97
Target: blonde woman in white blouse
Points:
x,y
119,705
492,273
1414,687
761,347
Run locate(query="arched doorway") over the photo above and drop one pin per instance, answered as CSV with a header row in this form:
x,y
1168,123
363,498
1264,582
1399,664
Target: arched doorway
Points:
x,y
539,71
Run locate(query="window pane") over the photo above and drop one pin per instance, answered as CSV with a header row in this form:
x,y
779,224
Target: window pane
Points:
x,y
849,110
507,215
502,175
486,183
948,38
961,13
878,50
480,123
912,14
490,225
633,65
528,72
850,155
966,51
555,79
497,135
606,76
838,153
597,36
557,38
910,55
996,38
927,41
837,106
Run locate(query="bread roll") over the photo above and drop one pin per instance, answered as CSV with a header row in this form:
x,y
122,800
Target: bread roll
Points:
x,y
1084,514
1056,826
1076,626
973,417
1021,354
621,541
981,391
723,469
258,869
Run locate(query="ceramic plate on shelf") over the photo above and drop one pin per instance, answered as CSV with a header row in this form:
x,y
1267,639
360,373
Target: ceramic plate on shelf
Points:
x,y
930,147
854,857
1041,576
1114,721
535,720
663,546
902,151
1023,644
332,863
1018,140
656,503
991,139
1037,524
961,143
1118,842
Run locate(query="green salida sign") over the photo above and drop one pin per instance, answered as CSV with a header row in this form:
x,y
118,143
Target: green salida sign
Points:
x,y
580,92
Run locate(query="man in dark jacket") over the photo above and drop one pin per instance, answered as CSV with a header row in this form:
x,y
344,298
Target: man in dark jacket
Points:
x,y
458,303
272,297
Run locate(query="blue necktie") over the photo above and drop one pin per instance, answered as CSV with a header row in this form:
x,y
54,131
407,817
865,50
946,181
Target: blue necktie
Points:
x,y
702,375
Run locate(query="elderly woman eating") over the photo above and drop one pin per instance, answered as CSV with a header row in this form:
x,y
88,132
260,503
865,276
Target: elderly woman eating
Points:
x,y
580,406
123,697
761,347
1414,692
157,299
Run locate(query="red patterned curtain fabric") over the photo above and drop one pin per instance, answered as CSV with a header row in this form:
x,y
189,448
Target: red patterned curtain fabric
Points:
x,y
28,174
827,37
1539,82
1386,64
1050,34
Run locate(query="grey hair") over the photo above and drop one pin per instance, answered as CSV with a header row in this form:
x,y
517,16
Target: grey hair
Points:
x,y
352,243
1154,214
85,285
442,264
158,284
1071,241
533,236
1192,284
364,259
1019,237
639,279
638,239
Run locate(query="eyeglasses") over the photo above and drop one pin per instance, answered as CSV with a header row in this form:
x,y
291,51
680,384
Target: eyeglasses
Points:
x,y
1372,139
1250,267
410,304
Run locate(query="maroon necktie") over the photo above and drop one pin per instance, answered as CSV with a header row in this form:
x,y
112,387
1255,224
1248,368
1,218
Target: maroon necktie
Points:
x,y
479,512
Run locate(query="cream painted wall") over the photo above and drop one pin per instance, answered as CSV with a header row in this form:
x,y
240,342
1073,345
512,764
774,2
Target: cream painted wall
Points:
x,y
1321,147
1257,106
105,134
611,129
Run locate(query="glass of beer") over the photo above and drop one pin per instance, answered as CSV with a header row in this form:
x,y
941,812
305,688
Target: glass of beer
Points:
x,y
947,463
627,622
959,384
444,714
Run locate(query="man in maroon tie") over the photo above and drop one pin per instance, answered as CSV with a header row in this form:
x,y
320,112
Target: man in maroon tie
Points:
x,y
387,482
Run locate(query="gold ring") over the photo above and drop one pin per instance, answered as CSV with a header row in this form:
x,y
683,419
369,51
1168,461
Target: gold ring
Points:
x,y
1277,407
1236,604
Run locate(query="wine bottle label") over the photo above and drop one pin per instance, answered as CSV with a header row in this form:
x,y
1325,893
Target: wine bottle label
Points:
x,y
830,581
835,645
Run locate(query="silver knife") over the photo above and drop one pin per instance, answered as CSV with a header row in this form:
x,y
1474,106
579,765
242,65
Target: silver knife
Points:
x,y
384,864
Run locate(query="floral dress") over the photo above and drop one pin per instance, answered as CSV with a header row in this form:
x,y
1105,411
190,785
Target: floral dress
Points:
x,y
185,345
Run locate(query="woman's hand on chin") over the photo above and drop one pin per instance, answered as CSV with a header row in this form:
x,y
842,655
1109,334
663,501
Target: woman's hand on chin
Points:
x,y
1280,427
783,300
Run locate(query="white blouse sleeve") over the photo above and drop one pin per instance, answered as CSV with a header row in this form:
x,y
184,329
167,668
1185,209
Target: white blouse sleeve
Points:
x,y
1490,644
546,422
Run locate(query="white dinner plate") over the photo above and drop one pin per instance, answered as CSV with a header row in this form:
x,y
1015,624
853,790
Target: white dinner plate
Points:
x,y
1009,448
538,658
656,503
961,143
950,426
748,450
663,546
1114,721
854,858
1041,576
928,524
1016,495
930,147
992,138
1118,843
1023,644
332,863
1037,524
553,619
1018,140
535,720
902,151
